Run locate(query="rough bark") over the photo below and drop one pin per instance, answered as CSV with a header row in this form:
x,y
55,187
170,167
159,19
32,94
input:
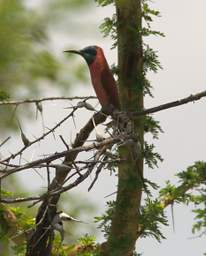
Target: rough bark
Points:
x,y
124,226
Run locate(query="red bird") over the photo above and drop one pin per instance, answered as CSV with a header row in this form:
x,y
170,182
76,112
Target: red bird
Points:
x,y
101,76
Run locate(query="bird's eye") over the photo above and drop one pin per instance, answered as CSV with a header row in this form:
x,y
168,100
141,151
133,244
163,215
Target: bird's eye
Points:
x,y
90,50
89,53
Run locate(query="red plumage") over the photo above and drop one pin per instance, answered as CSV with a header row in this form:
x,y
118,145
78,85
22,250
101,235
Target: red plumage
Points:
x,y
102,79
103,82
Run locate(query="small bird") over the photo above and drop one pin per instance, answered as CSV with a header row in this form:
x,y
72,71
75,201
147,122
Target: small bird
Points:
x,y
102,79
57,222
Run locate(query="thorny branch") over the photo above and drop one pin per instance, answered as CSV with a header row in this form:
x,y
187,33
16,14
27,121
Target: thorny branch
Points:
x,y
58,186
75,150
48,208
83,176
165,106
55,156
51,130
20,102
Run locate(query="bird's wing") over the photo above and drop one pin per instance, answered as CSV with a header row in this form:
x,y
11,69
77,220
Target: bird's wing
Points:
x,y
110,87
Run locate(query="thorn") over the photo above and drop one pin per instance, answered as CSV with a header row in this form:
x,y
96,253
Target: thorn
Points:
x,y
39,107
113,193
72,107
74,121
25,140
4,141
89,106
84,104
99,136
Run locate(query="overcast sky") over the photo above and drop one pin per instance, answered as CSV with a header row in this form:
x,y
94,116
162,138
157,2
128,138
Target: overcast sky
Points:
x,y
182,54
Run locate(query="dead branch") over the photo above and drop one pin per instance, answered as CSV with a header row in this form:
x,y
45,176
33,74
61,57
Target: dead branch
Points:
x,y
20,102
58,155
39,138
47,210
19,199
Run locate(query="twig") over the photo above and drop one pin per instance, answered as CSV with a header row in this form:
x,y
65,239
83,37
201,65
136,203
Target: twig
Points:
x,y
59,179
99,168
20,199
19,102
3,142
64,142
182,189
56,156
39,138
79,180
48,176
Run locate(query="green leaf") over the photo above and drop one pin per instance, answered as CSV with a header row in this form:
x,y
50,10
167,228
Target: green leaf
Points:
x,y
4,95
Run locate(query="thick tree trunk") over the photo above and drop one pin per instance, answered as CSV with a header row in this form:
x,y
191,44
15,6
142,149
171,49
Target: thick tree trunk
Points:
x,y
124,227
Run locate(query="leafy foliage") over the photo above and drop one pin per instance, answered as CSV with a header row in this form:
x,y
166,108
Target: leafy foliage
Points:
x,y
85,246
23,37
148,14
108,28
151,218
4,95
151,158
191,190
23,34
28,63
152,126
151,62
15,222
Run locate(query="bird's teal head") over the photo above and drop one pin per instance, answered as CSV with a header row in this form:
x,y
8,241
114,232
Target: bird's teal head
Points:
x,y
88,53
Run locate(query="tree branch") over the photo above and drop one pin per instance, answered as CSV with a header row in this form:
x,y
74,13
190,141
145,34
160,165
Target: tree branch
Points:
x,y
47,210
172,104
178,194
55,156
12,156
19,102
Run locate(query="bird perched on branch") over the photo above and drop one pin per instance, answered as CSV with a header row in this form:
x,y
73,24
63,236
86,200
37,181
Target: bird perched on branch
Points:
x,y
102,79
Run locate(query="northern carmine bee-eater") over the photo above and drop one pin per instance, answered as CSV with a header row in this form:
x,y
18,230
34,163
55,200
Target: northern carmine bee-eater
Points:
x,y
102,79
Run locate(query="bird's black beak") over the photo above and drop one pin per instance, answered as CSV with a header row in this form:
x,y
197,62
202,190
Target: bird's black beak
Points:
x,y
74,51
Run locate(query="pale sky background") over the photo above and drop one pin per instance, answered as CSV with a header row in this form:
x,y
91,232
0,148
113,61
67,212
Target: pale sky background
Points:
x,y
182,54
